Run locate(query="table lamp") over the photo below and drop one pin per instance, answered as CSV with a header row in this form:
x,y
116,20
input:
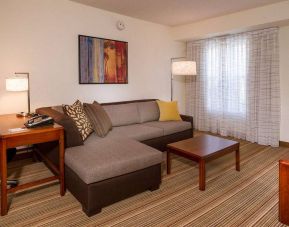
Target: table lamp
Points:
x,y
182,68
17,83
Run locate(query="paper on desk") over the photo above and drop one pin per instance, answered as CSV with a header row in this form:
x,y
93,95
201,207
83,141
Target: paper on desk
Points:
x,y
17,129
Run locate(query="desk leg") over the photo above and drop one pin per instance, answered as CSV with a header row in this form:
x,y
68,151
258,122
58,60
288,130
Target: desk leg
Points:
x,y
3,167
202,175
238,159
61,165
168,162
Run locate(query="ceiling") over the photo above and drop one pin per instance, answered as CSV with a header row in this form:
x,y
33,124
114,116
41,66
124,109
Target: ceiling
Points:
x,y
175,12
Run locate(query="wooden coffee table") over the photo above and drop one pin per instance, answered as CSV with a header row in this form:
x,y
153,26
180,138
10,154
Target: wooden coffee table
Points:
x,y
202,149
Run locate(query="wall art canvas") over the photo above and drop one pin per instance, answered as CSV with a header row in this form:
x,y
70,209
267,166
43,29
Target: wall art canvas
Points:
x,y
102,61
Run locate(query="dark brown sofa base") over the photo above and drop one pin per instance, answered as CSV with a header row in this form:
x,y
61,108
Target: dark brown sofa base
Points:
x,y
100,194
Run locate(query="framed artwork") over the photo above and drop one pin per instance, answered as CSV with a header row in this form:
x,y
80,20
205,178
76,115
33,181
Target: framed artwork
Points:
x,y
102,61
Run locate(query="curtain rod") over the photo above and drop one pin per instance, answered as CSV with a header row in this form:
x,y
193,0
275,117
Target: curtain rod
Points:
x,y
238,33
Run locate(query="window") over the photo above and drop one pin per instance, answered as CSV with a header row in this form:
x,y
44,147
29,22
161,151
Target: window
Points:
x,y
225,76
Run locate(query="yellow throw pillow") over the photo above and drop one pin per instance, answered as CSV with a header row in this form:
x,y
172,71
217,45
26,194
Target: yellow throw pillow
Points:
x,y
169,111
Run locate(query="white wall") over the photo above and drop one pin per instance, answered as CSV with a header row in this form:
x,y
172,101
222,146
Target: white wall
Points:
x,y
41,37
284,82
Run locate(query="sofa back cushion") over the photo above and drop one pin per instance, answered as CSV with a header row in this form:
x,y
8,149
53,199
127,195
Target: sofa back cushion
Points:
x,y
72,135
123,114
148,111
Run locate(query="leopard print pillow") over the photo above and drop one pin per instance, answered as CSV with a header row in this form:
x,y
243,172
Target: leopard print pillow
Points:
x,y
76,112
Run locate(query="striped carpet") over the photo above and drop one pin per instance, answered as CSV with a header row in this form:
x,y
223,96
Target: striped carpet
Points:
x,y
246,198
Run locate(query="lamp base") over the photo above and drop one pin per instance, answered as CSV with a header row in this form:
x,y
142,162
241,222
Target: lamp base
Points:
x,y
23,114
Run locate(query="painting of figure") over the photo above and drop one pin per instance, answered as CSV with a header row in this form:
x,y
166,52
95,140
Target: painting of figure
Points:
x,y
102,61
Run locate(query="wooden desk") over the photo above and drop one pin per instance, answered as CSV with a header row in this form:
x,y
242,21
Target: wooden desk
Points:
x,y
202,149
28,136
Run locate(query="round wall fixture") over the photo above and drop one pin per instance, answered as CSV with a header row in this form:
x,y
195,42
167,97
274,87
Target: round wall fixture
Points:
x,y
120,25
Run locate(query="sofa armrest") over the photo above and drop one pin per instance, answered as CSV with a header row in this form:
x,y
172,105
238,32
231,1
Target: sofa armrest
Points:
x,y
188,119
71,133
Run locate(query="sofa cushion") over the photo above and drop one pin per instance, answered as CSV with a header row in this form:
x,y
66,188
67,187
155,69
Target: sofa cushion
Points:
x,y
103,158
138,132
170,127
99,119
72,135
76,112
122,114
148,111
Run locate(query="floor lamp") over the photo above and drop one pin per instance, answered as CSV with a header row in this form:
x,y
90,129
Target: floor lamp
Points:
x,y
20,82
181,68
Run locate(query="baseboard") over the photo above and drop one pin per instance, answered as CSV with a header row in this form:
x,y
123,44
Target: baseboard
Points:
x,y
283,144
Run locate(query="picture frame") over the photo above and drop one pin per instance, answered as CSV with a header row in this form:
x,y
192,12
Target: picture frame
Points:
x,y
102,61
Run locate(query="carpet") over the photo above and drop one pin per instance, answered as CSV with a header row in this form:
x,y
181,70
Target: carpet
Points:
x,y
245,198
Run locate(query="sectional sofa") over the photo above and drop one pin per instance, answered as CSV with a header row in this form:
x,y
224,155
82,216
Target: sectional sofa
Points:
x,y
101,171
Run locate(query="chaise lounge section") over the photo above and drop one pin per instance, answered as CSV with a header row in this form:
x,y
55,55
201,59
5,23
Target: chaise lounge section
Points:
x,y
101,171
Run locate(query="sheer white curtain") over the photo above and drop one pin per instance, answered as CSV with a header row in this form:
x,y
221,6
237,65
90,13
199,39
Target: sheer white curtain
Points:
x,y
236,90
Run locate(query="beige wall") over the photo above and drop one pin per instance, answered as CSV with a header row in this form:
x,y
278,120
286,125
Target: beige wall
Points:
x,y
41,37
261,17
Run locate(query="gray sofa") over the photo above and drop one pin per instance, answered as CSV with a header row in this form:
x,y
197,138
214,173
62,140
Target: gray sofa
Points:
x,y
139,121
106,170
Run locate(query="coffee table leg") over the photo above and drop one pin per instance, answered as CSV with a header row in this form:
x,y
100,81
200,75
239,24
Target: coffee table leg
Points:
x,y
168,162
238,159
202,175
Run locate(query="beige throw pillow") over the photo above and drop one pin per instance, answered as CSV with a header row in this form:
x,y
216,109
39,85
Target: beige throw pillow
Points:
x,y
99,119
76,112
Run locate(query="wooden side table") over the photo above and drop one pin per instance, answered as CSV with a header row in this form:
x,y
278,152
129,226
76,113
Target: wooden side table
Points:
x,y
284,191
10,139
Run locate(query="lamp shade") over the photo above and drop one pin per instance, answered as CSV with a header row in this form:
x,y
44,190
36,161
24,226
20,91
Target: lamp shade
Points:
x,y
184,68
17,84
